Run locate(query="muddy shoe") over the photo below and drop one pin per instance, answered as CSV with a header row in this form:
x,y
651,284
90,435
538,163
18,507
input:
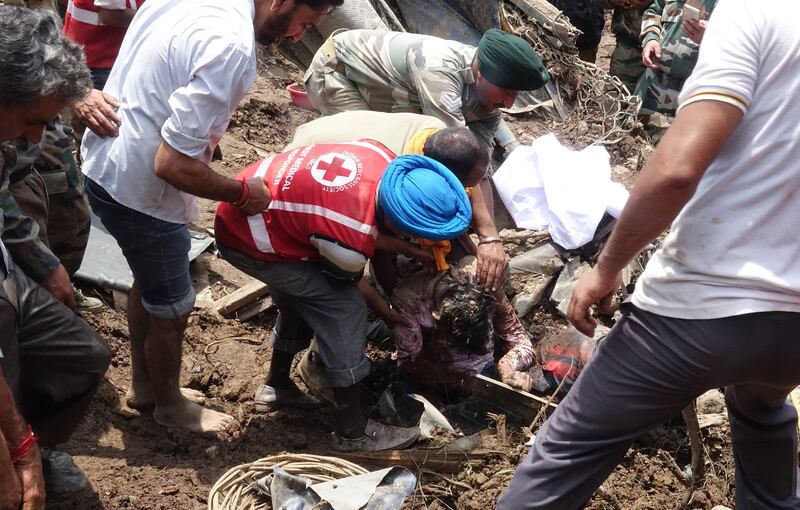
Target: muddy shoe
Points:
x,y
378,437
85,303
269,398
62,478
313,374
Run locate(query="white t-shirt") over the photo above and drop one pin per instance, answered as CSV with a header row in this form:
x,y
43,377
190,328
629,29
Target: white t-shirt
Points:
x,y
182,69
735,247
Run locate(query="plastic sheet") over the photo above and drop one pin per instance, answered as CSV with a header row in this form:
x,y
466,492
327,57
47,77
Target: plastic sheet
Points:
x,y
105,266
378,490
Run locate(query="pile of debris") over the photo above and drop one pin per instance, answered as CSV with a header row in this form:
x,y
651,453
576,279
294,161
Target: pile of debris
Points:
x,y
590,106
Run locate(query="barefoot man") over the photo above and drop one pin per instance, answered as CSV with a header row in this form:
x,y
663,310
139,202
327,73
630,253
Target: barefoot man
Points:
x,y
182,69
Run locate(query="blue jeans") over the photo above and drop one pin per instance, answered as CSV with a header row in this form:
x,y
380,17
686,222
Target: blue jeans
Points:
x,y
157,252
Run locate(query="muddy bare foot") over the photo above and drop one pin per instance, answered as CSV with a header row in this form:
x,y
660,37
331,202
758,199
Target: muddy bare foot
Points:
x,y
193,417
146,401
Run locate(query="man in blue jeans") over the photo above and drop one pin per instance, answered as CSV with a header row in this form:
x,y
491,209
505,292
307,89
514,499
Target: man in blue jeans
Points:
x,y
719,304
181,71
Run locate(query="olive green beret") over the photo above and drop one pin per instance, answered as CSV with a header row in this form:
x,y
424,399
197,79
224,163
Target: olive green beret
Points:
x,y
510,62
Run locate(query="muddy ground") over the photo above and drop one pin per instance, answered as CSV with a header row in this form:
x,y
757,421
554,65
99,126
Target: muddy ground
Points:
x,y
134,463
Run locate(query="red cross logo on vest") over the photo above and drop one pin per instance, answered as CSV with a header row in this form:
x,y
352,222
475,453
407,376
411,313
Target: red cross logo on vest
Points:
x,y
334,169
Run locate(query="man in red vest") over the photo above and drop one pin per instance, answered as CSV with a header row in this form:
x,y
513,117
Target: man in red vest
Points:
x,y
99,26
330,207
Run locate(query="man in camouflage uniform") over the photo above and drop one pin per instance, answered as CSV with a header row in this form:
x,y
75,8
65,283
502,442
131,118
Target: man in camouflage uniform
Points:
x,y
626,61
401,72
51,361
669,54
47,186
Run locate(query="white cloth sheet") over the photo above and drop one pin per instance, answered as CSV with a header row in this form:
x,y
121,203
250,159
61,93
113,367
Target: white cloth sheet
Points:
x,y
547,185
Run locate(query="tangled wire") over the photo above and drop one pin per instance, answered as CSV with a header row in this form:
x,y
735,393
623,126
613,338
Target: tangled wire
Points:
x,y
602,109
234,490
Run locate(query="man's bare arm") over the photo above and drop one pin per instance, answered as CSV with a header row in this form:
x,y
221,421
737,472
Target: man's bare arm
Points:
x,y
198,179
666,184
29,468
492,260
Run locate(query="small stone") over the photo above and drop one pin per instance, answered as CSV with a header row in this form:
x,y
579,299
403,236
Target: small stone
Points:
x,y
211,452
133,500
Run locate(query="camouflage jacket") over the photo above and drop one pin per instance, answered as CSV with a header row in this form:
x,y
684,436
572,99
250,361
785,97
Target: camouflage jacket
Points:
x,y
626,23
662,22
20,234
414,73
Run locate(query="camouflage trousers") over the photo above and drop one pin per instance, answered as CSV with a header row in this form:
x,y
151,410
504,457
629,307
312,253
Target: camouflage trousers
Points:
x,y
659,93
626,64
327,85
50,191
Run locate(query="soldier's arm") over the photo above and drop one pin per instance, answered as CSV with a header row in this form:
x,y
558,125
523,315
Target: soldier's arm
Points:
x,y
21,237
652,30
484,130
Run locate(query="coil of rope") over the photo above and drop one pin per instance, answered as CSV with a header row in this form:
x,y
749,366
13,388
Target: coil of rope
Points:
x,y
233,490
595,97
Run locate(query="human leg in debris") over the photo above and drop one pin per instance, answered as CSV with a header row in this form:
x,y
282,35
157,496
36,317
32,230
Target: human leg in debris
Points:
x,y
158,309
311,301
648,369
53,362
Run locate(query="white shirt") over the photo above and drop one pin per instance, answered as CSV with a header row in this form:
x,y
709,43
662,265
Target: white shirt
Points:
x,y
735,247
183,68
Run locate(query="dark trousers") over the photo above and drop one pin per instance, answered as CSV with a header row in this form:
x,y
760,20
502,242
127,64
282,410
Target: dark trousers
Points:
x,y
647,370
313,304
51,359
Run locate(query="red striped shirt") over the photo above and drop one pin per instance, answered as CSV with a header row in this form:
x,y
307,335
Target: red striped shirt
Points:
x,y
100,42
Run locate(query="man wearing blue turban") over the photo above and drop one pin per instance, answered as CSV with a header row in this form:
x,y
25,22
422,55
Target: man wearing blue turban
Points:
x,y
331,207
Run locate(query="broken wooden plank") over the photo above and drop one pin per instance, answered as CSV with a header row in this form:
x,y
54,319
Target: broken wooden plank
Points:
x,y
239,298
415,459
519,406
247,312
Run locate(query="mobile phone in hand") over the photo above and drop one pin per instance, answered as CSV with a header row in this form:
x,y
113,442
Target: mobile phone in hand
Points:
x,y
691,13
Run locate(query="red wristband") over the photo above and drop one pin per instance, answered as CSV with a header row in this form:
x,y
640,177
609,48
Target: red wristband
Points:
x,y
245,196
18,453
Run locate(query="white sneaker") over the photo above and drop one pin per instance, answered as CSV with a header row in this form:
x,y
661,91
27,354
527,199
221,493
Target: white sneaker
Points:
x,y
86,304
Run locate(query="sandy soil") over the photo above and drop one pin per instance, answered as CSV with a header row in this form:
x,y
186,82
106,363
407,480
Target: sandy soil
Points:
x,y
135,464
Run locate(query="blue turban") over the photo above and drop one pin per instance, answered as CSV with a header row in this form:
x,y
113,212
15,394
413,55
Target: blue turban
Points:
x,y
422,197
